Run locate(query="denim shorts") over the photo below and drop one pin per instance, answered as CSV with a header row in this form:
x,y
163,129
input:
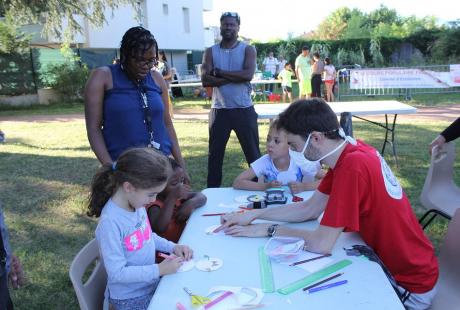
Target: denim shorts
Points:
x,y
137,303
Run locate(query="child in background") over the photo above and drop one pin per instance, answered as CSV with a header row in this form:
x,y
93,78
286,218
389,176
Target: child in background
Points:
x,y
286,81
329,79
119,194
174,205
276,168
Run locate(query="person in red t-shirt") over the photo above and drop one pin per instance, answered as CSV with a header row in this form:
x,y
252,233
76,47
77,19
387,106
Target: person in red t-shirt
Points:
x,y
170,212
359,193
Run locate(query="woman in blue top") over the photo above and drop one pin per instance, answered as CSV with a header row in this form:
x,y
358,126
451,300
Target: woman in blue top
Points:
x,y
126,104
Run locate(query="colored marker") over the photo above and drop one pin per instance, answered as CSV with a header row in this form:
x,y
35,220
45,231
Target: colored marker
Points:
x,y
167,256
180,306
218,299
324,287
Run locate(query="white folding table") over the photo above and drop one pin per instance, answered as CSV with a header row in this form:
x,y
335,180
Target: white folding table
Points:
x,y
357,109
367,287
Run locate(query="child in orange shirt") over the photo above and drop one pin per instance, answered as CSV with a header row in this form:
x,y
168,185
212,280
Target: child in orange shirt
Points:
x,y
174,205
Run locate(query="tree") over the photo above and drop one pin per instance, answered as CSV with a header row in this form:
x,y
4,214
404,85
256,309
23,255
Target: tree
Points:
x,y
54,13
15,62
356,26
12,40
333,26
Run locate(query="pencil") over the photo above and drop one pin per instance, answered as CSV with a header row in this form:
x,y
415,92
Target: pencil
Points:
x,y
213,214
217,214
309,260
325,287
322,281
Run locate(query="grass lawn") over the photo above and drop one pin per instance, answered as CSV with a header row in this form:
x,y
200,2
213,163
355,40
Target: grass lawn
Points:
x,y
46,168
190,103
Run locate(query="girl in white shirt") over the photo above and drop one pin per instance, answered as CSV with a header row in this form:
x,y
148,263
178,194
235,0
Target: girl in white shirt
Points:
x,y
329,79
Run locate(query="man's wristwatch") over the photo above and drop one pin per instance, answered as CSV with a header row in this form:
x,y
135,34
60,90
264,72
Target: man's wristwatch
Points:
x,y
272,230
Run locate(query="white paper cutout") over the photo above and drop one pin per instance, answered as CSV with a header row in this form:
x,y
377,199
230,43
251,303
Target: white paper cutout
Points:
x,y
209,264
187,266
283,248
242,296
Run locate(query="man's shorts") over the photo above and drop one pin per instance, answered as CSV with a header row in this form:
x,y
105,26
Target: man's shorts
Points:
x,y
286,89
305,87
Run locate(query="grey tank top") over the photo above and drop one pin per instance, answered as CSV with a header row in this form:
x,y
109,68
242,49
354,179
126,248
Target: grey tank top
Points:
x,y
233,95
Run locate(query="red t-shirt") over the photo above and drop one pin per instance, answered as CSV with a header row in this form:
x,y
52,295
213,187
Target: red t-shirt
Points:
x,y
365,196
174,230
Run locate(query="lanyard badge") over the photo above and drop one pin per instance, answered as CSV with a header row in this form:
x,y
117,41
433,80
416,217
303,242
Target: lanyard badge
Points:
x,y
148,119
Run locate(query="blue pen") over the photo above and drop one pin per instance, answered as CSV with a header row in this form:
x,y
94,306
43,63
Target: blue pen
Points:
x,y
320,288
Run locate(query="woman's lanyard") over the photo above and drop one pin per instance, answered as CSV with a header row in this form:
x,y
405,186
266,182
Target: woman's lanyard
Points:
x,y
147,116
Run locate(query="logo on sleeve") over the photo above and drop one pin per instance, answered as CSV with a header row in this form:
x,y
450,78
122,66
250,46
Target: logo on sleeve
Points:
x,y
391,182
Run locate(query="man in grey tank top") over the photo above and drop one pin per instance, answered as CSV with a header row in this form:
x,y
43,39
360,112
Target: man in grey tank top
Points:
x,y
228,67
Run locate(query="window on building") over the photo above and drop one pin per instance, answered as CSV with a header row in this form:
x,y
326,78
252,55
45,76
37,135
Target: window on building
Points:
x,y
165,9
186,17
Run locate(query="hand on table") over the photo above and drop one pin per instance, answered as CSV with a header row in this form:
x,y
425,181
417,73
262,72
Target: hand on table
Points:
x,y
296,187
183,251
274,183
169,266
439,142
236,218
253,230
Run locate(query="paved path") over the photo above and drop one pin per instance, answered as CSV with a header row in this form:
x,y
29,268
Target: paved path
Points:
x,y
441,113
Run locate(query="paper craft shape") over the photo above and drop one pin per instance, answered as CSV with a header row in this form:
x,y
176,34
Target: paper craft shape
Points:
x,y
209,264
197,300
210,230
187,266
283,248
242,297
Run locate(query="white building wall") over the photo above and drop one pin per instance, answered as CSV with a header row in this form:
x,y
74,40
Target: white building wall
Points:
x,y
168,29
179,61
110,35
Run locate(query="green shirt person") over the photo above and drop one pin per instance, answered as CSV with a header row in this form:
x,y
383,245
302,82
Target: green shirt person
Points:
x,y
286,81
303,72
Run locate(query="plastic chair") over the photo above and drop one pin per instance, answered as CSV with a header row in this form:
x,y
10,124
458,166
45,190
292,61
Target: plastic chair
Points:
x,y
90,294
440,195
448,296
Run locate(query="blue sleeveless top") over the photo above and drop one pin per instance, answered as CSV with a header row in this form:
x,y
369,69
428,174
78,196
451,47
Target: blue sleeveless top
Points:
x,y
123,117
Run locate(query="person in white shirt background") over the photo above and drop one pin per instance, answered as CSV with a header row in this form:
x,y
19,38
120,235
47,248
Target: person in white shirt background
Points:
x,y
270,64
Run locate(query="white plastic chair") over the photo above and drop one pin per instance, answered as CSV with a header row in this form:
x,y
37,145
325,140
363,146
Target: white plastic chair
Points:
x,y
440,195
448,295
90,294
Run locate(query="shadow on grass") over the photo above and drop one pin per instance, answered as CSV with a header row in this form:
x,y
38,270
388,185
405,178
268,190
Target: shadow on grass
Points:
x,y
20,142
68,170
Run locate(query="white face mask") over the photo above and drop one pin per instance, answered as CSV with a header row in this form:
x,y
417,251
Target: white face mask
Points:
x,y
299,158
302,162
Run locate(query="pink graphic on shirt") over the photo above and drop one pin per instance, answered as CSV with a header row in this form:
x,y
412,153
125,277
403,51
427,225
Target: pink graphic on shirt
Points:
x,y
135,240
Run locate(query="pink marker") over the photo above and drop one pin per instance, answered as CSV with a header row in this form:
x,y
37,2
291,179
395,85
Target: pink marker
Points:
x,y
166,256
180,306
217,300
